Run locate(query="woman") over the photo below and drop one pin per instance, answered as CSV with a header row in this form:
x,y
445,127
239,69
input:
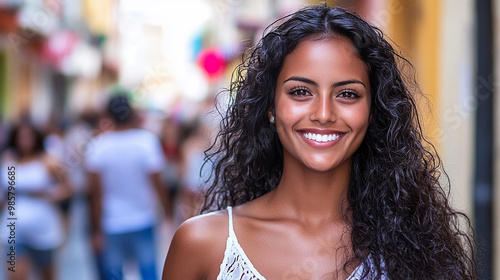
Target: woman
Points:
x,y
39,182
323,161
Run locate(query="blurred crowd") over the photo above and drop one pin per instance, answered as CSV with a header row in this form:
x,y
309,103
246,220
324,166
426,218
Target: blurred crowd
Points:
x,y
128,177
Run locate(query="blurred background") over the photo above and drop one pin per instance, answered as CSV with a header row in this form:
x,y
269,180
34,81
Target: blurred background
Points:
x,y
60,60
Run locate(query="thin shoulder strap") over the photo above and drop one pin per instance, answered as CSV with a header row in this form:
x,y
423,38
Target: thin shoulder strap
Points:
x,y
230,214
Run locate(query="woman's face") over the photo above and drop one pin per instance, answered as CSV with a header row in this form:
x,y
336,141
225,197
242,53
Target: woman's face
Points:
x,y
322,103
25,139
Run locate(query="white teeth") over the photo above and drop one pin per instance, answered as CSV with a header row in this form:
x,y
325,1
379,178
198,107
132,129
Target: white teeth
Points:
x,y
321,137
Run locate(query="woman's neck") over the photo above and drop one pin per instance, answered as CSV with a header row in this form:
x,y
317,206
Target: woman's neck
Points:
x,y
124,126
27,157
313,196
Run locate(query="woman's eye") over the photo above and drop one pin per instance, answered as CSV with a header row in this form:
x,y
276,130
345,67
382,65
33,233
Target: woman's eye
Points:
x,y
348,95
298,92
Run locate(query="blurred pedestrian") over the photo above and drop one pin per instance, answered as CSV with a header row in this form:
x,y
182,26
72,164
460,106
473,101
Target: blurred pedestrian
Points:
x,y
40,183
170,140
193,176
124,167
54,143
54,130
76,139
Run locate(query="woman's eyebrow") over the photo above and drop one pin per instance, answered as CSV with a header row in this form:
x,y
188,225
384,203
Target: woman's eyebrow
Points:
x,y
311,82
346,82
301,79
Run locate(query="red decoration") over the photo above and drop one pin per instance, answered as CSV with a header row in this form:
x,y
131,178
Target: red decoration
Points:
x,y
58,46
212,62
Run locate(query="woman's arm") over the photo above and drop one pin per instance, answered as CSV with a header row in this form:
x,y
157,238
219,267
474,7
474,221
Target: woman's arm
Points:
x,y
63,190
95,209
162,192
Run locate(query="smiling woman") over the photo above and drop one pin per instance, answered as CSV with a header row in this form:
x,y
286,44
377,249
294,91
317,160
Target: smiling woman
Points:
x,y
321,170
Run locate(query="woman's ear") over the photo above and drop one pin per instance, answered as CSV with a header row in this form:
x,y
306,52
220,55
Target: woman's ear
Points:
x,y
270,115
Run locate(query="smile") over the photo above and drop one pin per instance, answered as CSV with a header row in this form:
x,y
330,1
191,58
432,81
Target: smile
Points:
x,y
321,137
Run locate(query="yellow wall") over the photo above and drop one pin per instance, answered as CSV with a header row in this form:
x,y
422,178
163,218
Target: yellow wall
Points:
x,y
415,29
99,15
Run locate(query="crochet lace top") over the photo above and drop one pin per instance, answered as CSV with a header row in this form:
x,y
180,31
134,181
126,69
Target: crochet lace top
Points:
x,y
237,266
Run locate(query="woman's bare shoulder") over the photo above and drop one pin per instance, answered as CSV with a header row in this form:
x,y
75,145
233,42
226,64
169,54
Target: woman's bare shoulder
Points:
x,y
197,248
204,228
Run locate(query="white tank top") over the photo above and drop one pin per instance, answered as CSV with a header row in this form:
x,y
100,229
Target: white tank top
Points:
x,y
237,266
39,222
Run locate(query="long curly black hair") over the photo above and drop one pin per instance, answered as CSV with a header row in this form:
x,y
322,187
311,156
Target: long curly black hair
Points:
x,y
399,207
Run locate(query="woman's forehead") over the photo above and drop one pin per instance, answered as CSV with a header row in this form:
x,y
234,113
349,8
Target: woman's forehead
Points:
x,y
332,57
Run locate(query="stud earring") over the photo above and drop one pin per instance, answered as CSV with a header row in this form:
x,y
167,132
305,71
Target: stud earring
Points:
x,y
272,119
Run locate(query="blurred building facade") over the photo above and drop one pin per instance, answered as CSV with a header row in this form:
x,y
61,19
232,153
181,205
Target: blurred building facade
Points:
x,y
60,57
46,48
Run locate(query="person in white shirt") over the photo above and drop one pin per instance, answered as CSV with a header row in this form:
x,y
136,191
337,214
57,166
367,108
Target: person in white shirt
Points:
x,y
124,167
32,185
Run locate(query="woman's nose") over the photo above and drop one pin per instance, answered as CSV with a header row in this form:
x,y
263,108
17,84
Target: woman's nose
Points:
x,y
323,110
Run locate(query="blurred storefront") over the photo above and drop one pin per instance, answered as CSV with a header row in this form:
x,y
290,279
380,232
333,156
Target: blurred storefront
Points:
x,y
45,46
